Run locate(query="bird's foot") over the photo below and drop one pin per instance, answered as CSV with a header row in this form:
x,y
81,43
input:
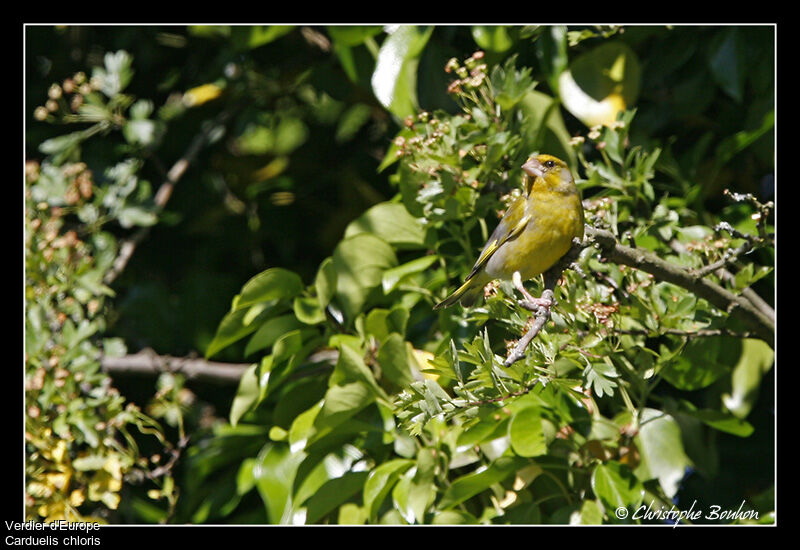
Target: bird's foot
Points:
x,y
529,302
536,304
541,313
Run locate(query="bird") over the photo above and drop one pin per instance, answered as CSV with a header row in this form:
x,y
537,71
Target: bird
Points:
x,y
535,232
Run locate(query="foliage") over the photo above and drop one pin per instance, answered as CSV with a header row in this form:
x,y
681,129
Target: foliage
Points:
x,y
362,405
78,430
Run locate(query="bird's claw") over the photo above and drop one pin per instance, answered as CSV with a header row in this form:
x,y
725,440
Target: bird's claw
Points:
x,y
535,304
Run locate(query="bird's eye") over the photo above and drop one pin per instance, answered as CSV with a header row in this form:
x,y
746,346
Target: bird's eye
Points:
x,y
549,164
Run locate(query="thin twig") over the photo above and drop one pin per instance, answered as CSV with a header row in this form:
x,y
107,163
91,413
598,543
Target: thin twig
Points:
x,y
542,315
736,306
700,333
175,454
164,192
727,276
728,257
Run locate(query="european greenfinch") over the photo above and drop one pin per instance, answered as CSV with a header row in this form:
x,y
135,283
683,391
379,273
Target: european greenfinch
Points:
x,y
536,231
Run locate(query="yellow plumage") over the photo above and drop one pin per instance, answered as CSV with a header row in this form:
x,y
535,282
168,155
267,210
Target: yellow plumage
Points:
x,y
536,231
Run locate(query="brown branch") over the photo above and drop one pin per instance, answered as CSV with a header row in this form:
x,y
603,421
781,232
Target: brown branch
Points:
x,y
164,192
727,276
542,315
690,334
149,363
737,307
730,256
175,454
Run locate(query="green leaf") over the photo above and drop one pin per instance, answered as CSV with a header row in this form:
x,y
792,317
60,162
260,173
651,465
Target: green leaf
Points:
x,y
750,274
332,494
601,83
129,216
62,146
392,277
249,37
487,429
380,322
723,422
270,331
325,282
551,50
726,63
492,38
527,513
391,222
360,261
302,427
232,328
590,513
661,448
702,362
273,284
394,80
599,376
89,462
616,487
246,395
380,481
421,489
351,368
273,473
351,514
351,122
353,35
287,345
454,517
308,310
391,155
755,360
526,434
393,357
740,141
342,402
114,347
467,486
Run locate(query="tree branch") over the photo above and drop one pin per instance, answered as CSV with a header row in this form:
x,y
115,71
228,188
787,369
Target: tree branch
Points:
x,y
164,192
736,306
149,363
727,276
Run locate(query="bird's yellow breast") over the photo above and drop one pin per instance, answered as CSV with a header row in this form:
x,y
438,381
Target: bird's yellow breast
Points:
x,y
556,218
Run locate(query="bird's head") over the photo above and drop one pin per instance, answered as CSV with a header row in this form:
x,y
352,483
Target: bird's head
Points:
x,y
547,173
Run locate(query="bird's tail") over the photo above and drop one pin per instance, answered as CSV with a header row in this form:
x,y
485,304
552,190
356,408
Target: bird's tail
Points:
x,y
467,293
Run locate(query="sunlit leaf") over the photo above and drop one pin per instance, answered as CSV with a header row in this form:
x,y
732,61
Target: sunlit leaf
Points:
x,y
394,80
663,457
616,487
601,83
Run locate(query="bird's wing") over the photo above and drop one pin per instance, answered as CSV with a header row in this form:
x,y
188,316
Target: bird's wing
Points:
x,y
509,227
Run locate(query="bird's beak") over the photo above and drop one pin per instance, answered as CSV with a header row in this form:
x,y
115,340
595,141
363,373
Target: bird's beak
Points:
x,y
533,168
